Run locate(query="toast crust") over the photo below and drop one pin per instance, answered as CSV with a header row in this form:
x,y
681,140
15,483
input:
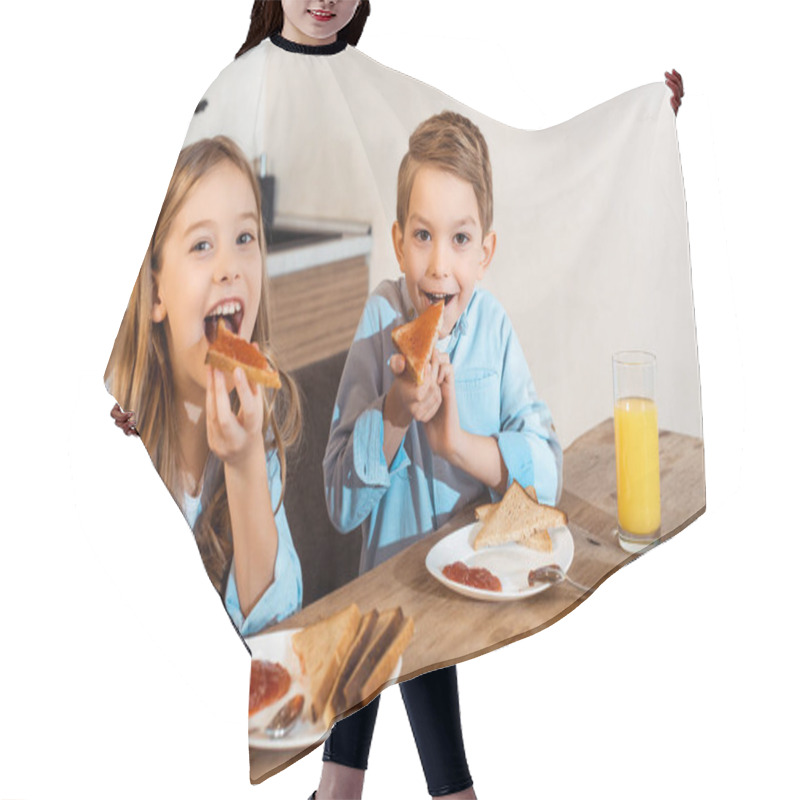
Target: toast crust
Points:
x,y
337,702
383,669
391,636
520,519
322,649
347,657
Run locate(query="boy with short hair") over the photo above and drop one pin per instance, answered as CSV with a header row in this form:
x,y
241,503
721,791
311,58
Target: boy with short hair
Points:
x,y
403,458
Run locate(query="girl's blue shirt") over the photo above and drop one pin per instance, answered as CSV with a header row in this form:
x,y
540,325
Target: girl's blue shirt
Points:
x,y
284,595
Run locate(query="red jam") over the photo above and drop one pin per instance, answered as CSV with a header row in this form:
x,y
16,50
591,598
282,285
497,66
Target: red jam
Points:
x,y
477,577
268,682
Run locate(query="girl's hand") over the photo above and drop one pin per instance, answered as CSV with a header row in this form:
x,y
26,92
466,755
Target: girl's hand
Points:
x,y
444,429
125,420
233,438
405,401
675,82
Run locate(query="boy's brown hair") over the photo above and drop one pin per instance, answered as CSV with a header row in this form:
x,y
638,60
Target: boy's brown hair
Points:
x,y
455,144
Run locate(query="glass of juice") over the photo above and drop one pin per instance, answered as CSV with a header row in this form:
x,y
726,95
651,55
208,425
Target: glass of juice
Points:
x,y
636,447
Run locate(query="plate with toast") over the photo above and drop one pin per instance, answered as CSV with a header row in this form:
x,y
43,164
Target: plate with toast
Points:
x,y
491,558
335,664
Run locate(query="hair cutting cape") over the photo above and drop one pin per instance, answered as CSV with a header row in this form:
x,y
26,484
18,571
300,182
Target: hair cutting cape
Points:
x,y
592,258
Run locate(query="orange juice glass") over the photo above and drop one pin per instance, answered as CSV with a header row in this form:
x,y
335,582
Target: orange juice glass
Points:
x,y
636,447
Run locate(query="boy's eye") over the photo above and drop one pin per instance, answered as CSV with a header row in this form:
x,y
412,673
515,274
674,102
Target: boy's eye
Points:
x,y
245,238
422,235
461,238
202,245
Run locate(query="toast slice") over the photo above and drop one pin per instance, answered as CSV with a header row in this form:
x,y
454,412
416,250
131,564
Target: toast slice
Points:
x,y
416,339
229,351
322,649
537,539
390,638
337,703
482,513
522,520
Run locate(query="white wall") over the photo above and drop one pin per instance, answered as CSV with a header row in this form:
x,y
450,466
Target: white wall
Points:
x,y
592,253
121,676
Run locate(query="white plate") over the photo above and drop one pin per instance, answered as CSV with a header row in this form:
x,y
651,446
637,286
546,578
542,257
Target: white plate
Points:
x,y
511,563
277,647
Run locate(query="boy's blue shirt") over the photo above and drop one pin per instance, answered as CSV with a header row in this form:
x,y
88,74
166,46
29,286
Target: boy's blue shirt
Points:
x,y
398,503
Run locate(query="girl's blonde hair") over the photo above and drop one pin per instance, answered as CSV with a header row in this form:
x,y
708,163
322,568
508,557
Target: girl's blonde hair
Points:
x,y
139,374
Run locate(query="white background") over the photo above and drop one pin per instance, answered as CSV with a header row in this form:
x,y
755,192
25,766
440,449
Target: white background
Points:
x,y
119,674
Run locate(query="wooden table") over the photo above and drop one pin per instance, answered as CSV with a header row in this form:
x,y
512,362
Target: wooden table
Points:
x,y
449,628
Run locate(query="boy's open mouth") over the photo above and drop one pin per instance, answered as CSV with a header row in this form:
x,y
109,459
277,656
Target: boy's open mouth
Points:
x,y
436,297
230,312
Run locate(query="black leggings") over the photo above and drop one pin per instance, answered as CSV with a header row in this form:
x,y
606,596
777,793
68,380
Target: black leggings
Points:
x,y
432,706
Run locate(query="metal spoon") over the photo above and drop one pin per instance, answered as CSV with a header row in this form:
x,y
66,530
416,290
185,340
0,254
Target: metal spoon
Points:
x,y
552,573
286,718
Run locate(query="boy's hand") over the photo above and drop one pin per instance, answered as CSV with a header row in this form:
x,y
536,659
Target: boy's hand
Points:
x,y
405,400
444,429
233,437
477,455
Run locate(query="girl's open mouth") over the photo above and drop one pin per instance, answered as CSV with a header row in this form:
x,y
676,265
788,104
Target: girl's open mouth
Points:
x,y
436,297
229,312
322,16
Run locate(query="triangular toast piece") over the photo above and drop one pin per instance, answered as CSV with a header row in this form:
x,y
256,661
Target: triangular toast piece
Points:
x,y
229,351
520,519
416,339
482,513
322,648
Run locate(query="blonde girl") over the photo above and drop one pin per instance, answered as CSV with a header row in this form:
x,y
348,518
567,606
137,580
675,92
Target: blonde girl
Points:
x,y
221,453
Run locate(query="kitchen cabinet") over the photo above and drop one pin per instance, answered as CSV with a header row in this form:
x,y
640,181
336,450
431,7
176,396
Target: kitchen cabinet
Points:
x,y
318,281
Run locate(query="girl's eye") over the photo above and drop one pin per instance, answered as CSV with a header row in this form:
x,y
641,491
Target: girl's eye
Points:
x,y
461,238
245,238
422,236
201,246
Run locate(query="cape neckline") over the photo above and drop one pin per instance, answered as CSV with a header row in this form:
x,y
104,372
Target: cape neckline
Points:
x,y
307,49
